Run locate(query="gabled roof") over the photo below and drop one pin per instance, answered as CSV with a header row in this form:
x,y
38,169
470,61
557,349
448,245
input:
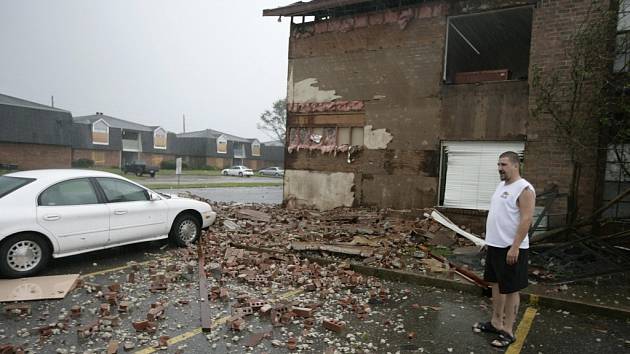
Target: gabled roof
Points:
x,y
310,8
113,122
213,134
18,102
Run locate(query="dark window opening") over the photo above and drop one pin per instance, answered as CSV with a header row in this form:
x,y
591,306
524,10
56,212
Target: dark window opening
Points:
x,y
492,46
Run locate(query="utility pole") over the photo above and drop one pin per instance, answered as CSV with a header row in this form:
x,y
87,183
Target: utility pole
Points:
x,y
52,101
184,122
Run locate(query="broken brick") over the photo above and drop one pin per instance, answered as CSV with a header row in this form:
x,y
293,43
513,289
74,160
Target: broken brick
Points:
x,y
123,307
236,323
140,326
75,311
302,311
18,309
115,287
163,341
104,310
112,347
334,325
88,329
291,343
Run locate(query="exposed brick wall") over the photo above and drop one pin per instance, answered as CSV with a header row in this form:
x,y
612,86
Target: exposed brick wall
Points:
x,y
35,156
101,158
397,73
547,160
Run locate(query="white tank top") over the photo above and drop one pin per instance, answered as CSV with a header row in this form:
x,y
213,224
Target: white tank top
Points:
x,y
504,215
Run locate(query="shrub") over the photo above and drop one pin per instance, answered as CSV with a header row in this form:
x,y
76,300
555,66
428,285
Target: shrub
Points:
x,y
83,163
170,165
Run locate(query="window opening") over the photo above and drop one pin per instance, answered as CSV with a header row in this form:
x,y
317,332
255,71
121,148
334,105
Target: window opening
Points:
x,y
490,46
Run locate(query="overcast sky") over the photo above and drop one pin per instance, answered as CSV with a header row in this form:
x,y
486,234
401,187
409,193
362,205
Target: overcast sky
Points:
x,y
219,62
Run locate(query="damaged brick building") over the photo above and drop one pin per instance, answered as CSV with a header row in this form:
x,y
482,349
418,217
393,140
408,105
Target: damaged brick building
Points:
x,y
407,104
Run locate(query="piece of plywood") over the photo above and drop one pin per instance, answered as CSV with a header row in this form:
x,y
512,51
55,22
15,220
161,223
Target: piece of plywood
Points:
x,y
37,288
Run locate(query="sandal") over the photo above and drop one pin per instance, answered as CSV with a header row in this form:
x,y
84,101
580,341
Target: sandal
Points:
x,y
504,340
486,327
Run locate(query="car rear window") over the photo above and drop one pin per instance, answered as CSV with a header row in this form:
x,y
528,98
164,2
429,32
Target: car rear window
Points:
x,y
10,184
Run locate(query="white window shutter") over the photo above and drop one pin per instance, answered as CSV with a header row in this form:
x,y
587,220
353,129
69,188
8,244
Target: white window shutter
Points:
x,y
471,172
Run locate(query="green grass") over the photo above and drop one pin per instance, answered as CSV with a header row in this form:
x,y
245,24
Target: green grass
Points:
x,y
210,185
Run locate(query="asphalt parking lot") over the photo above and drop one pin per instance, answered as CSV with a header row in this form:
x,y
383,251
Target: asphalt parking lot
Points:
x,y
411,318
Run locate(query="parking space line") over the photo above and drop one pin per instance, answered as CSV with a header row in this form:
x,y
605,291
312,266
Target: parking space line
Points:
x,y
100,272
521,332
215,324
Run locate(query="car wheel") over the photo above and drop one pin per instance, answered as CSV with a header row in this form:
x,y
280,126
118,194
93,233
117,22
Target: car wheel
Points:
x,y
240,174
152,174
185,230
23,255
225,173
276,174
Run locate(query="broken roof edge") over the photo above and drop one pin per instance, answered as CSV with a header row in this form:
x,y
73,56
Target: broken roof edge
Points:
x,y
301,8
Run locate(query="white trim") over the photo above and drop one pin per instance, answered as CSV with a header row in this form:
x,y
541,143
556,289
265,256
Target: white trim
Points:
x,y
222,138
256,142
165,139
101,120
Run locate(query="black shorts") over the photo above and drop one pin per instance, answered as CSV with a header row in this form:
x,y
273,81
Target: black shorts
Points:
x,y
511,278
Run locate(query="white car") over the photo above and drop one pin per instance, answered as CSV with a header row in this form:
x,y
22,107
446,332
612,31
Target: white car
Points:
x,y
241,171
59,213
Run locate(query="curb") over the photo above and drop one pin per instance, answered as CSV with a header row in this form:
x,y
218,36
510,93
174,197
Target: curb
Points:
x,y
424,280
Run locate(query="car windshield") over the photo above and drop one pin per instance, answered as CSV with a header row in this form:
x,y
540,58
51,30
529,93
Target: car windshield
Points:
x,y
10,184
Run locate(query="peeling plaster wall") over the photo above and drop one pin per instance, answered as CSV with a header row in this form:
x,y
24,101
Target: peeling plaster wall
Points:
x,y
320,189
375,139
307,91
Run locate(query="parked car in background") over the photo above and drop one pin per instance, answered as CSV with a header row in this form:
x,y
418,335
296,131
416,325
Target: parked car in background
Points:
x,y
58,213
139,168
241,171
271,171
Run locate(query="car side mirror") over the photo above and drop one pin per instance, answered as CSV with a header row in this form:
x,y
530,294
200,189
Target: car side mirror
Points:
x,y
153,196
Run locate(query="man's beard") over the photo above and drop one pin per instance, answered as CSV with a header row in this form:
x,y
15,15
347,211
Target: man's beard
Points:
x,y
502,176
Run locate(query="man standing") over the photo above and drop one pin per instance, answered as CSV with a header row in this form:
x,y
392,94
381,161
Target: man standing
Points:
x,y
509,218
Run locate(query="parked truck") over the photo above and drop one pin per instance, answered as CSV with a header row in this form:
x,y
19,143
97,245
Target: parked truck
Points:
x,y
139,168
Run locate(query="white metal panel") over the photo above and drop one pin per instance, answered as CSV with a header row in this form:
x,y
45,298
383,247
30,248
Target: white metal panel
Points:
x,y
471,172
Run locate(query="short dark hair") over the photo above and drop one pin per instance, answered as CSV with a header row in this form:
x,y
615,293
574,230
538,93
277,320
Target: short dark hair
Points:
x,y
512,156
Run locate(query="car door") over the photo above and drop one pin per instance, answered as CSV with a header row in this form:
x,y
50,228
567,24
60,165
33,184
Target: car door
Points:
x,y
72,212
233,171
133,216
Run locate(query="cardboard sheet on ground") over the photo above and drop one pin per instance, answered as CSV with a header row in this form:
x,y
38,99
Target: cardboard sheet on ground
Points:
x,y
36,288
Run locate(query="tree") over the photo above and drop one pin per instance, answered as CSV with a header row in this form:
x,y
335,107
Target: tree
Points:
x,y
274,122
586,101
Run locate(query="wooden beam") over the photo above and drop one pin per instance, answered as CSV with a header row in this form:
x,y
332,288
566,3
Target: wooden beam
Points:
x,y
204,310
326,120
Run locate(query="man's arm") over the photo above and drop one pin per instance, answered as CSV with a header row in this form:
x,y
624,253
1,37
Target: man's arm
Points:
x,y
526,202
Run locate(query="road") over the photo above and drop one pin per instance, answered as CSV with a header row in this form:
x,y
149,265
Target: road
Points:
x,y
268,195
161,179
413,319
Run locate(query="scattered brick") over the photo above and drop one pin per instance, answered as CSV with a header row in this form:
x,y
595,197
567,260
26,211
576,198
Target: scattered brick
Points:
x,y
236,323
104,310
88,329
112,347
292,343
18,309
75,311
303,312
334,325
